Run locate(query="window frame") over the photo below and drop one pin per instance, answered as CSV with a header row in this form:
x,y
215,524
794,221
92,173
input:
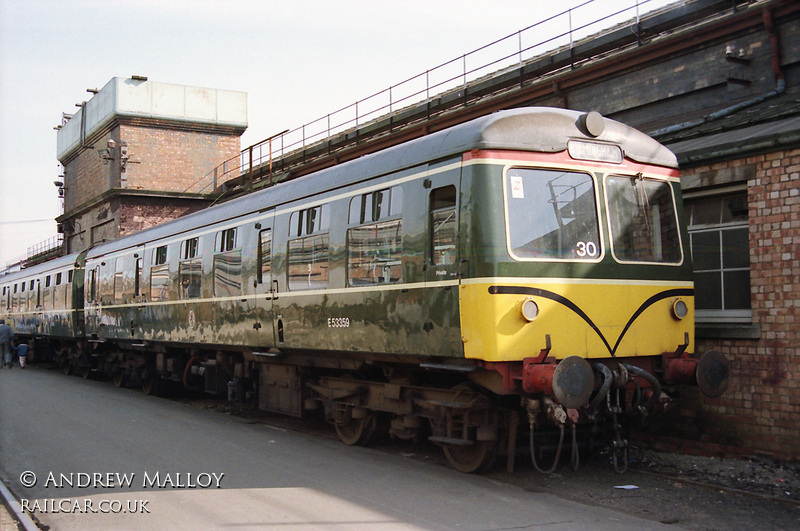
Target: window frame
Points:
x,y
612,232
600,245
309,228
721,315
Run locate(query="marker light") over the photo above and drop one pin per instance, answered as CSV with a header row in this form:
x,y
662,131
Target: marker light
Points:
x,y
530,310
679,309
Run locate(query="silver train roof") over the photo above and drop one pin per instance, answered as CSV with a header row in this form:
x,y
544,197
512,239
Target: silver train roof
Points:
x,y
541,129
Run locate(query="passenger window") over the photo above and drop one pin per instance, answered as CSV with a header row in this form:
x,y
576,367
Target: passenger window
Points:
x,y
93,278
159,275
160,255
265,256
308,262
309,254
375,206
190,269
137,278
443,225
374,249
374,253
119,287
226,240
227,265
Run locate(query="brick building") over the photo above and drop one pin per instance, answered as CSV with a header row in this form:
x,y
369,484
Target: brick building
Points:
x,y
139,153
741,180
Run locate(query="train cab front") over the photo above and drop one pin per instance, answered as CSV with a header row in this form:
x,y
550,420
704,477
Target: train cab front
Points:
x,y
588,312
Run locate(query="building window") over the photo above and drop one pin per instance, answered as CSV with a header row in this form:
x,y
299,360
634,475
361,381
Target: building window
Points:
x,y
719,234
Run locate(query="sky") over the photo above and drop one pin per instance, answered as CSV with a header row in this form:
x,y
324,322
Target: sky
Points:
x,y
297,60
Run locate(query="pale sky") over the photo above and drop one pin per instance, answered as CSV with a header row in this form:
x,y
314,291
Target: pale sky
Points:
x,y
297,60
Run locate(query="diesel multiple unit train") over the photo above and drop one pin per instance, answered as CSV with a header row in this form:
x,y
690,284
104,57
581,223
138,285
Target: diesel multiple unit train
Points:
x,y
508,279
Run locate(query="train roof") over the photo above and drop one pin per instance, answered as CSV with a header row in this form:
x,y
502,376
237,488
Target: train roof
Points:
x,y
64,262
539,129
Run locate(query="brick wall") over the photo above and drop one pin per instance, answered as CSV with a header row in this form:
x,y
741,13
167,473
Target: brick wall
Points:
x,y
165,159
760,412
85,176
140,213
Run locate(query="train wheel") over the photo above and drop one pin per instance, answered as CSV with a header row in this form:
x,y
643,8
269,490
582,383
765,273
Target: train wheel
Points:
x,y
475,453
356,430
85,372
118,379
150,385
477,457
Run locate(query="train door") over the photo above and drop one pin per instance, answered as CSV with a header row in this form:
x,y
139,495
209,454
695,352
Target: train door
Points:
x,y
441,324
138,296
91,307
266,287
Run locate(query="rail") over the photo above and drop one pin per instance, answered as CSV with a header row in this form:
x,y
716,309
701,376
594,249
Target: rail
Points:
x,y
399,104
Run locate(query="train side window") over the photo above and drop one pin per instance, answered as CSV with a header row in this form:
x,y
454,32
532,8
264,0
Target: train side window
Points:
x,y
308,255
159,275
374,253
66,292
92,285
443,225
137,278
45,294
225,240
227,264
190,270
189,248
119,264
376,206
311,220
160,255
264,256
308,262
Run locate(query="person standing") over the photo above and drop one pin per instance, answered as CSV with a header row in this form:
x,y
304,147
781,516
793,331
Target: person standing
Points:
x,y
6,335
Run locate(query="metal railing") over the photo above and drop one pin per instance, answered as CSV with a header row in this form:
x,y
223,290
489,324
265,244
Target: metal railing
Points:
x,y
41,251
555,34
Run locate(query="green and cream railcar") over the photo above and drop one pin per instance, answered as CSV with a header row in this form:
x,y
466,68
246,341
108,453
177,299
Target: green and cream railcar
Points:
x,y
535,253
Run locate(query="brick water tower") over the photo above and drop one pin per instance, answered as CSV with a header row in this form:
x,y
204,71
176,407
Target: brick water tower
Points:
x,y
139,153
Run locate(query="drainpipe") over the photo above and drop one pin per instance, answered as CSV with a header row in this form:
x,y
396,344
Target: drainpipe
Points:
x,y
780,85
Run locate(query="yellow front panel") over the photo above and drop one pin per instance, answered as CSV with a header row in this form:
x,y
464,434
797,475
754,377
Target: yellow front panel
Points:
x,y
587,318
